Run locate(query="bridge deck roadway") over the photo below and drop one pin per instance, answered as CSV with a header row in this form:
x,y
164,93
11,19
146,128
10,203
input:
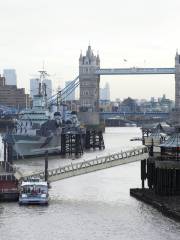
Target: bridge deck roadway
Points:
x,y
134,71
75,169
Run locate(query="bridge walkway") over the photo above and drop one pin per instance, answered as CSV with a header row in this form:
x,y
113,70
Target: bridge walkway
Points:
x,y
75,169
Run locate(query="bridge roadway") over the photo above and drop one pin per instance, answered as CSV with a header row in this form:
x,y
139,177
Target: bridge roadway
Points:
x,y
106,115
134,71
75,169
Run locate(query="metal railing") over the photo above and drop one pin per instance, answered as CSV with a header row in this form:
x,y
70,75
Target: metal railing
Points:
x,y
96,164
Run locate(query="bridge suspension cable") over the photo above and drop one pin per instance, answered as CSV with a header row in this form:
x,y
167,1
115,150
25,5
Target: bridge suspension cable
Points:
x,y
64,93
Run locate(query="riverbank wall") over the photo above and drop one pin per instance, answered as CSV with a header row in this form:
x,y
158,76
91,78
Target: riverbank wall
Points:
x,y
167,205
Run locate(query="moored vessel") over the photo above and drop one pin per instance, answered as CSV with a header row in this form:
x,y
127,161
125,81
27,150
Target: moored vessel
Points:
x,y
39,130
34,191
9,190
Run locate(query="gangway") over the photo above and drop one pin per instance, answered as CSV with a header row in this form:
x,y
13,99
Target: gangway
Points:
x,y
100,163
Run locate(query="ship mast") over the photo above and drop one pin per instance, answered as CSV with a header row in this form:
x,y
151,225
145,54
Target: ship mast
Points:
x,y
43,86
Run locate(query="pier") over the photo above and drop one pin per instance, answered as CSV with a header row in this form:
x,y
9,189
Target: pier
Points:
x,y
160,173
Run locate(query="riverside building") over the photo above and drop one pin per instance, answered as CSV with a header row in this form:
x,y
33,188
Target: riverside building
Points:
x,y
11,96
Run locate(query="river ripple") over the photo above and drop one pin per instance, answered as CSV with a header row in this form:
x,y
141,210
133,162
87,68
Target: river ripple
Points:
x,y
92,206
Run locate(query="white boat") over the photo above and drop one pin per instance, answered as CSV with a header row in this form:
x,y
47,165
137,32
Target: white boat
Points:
x,y
34,192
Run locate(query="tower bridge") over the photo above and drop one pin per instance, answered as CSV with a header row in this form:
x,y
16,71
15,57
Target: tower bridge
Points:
x,y
89,80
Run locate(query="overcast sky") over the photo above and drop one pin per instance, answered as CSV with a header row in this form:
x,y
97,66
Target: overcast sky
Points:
x,y
146,33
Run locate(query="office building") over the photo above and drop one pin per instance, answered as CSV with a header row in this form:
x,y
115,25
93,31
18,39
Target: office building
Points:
x,y
10,76
71,96
34,86
105,93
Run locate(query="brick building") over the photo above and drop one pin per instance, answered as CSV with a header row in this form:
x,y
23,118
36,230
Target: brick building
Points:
x,y
11,96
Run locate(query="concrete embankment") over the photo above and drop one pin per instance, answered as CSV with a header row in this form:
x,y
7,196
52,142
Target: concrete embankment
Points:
x,y
168,205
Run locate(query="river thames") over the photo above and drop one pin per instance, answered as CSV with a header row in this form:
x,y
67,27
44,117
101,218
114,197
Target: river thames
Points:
x,y
96,206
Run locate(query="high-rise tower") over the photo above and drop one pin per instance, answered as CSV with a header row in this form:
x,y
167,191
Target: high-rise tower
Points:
x,y
89,81
10,76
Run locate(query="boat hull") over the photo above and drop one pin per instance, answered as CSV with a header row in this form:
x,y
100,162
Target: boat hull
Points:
x,y
33,201
35,146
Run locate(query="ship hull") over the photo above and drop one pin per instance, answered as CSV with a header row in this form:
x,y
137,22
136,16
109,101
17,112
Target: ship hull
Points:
x,y
31,146
33,201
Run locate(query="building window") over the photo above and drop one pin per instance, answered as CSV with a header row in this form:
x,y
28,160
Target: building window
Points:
x,y
85,92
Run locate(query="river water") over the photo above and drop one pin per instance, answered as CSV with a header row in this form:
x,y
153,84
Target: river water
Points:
x,y
96,206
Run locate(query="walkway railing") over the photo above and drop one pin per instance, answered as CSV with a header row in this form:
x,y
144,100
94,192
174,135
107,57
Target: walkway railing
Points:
x,y
75,169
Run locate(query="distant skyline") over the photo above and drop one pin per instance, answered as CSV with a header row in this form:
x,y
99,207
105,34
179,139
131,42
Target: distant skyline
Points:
x,y
10,76
126,34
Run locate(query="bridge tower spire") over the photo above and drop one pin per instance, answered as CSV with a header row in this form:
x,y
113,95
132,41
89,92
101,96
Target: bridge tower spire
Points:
x,y
89,81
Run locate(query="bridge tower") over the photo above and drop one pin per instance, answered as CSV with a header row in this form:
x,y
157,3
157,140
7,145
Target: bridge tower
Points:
x,y
177,82
175,114
89,81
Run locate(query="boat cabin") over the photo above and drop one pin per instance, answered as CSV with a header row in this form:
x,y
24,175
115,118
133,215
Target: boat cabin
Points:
x,y
33,192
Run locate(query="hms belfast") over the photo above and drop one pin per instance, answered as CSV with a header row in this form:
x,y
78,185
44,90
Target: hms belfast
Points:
x,y
62,132
38,130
